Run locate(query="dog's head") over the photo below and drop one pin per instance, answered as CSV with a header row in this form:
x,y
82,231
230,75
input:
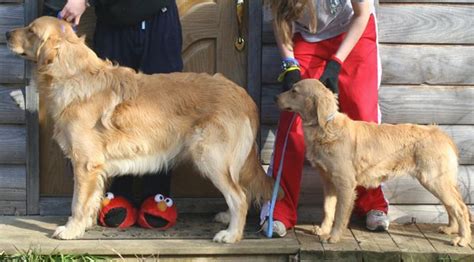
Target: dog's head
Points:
x,y
39,40
311,99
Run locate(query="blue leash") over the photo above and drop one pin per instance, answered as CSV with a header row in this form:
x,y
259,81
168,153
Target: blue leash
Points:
x,y
277,184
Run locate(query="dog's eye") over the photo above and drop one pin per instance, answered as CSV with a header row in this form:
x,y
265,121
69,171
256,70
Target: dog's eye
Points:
x,y
109,195
169,202
293,91
159,198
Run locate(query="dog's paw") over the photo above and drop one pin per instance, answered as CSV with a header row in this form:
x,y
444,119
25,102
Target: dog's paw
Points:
x,y
324,238
448,230
225,236
320,231
64,232
334,239
461,241
223,217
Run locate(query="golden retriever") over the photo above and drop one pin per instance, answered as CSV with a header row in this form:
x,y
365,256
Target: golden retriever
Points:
x,y
350,153
110,120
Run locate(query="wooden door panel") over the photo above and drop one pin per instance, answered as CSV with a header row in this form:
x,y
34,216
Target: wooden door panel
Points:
x,y
209,31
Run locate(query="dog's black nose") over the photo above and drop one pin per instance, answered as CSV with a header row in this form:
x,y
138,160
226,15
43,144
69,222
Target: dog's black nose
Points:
x,y
7,35
275,99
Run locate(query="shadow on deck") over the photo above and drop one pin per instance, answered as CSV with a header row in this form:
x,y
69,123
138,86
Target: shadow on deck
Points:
x,y
191,238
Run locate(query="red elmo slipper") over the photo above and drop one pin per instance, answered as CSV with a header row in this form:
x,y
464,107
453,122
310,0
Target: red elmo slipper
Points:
x,y
117,211
157,212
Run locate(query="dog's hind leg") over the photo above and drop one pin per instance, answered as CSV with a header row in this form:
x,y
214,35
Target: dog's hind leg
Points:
x,y
329,207
444,188
88,190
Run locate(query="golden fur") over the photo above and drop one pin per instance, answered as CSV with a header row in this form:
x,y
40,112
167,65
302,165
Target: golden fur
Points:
x,y
350,153
110,120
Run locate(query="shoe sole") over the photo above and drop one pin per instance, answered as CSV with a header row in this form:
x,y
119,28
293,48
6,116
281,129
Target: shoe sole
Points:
x,y
378,229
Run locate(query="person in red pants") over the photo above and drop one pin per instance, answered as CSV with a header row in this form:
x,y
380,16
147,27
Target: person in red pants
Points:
x,y
334,41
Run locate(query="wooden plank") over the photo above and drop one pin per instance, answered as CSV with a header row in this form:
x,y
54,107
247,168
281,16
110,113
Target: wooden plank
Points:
x,y
13,182
254,51
415,23
434,214
442,244
25,233
12,68
11,111
12,207
375,246
12,144
427,64
32,149
347,249
11,16
407,190
426,23
412,243
311,248
427,104
32,125
403,64
442,105
463,137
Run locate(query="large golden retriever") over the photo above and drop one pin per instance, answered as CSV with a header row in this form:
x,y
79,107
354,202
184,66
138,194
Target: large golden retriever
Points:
x,y
350,153
110,120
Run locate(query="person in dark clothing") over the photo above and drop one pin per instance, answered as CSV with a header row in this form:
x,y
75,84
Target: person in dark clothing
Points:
x,y
144,35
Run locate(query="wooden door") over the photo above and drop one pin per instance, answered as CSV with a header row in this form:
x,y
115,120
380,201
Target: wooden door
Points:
x,y
210,29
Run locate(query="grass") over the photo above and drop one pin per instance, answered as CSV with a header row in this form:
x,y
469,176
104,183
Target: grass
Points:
x,y
35,256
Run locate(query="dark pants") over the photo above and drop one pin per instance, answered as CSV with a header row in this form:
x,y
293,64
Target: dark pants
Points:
x,y
151,46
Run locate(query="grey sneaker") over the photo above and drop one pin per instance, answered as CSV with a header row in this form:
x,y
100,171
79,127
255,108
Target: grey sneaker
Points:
x,y
279,229
377,221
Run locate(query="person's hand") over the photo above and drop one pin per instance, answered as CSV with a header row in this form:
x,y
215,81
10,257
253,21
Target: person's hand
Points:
x,y
73,11
290,73
330,76
291,77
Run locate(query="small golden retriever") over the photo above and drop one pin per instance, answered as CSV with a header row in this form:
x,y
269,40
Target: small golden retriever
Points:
x,y
110,120
350,153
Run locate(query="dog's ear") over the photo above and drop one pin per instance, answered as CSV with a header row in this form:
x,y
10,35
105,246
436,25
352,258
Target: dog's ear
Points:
x,y
326,106
47,51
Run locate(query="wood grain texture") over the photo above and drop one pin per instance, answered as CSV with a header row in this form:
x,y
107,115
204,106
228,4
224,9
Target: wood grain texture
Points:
x,y
11,16
426,23
403,64
12,207
13,182
412,243
12,68
442,105
10,112
427,64
12,144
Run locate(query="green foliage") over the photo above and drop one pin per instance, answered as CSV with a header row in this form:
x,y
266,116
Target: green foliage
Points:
x,y
36,256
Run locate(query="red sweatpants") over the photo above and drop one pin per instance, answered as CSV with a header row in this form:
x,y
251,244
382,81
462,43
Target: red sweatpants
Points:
x,y
358,98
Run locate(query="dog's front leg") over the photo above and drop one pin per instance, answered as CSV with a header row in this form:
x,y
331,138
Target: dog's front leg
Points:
x,y
88,189
345,192
329,207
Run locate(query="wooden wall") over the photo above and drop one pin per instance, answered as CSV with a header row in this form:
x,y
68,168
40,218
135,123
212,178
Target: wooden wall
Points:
x,y
12,116
427,52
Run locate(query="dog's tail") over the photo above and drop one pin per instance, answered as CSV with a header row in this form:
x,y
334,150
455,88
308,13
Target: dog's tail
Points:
x,y
258,185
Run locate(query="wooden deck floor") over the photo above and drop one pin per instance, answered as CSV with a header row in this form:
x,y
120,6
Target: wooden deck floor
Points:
x,y
190,240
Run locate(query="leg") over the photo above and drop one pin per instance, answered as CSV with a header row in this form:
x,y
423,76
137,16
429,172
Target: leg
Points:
x,y
345,192
291,160
446,191
329,207
88,190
